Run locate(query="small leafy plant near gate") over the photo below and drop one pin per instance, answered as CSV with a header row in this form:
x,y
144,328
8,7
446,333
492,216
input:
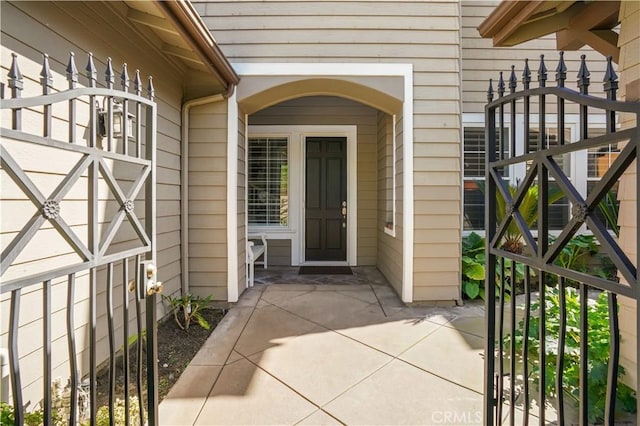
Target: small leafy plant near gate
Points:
x,y
34,418
120,414
473,261
598,352
188,309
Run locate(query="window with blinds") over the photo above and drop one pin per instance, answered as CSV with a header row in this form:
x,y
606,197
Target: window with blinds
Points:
x,y
268,182
589,167
474,158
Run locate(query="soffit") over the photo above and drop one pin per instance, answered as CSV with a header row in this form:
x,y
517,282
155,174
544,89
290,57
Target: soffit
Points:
x,y
177,31
575,24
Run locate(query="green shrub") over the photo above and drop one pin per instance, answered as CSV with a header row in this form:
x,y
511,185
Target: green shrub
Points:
x,y
473,261
598,352
120,413
188,309
34,418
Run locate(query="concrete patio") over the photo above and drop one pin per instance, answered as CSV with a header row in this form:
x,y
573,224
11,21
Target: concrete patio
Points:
x,y
331,350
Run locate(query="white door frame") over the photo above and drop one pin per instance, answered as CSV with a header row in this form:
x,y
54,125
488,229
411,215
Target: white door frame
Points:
x,y
349,132
296,230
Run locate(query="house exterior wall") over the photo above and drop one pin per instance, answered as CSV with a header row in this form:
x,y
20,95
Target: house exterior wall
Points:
x,y
481,61
207,200
325,110
629,70
426,35
31,29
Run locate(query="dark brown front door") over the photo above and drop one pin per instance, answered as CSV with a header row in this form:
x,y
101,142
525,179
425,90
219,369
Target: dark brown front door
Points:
x,y
326,197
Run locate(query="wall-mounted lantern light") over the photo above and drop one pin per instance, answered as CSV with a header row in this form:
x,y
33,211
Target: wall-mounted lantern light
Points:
x,y
116,122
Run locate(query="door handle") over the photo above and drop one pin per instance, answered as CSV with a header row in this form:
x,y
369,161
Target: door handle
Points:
x,y
344,214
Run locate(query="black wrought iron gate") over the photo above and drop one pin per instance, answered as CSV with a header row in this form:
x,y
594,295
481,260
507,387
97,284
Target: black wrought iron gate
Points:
x,y
78,209
540,350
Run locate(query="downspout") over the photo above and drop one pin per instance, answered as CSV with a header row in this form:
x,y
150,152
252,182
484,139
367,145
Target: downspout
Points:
x,y
184,187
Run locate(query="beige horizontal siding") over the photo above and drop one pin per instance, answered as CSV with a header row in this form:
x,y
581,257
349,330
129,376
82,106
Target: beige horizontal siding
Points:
x,y
424,34
279,252
207,200
481,61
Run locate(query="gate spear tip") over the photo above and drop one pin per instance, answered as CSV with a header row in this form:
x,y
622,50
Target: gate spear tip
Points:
x,y
124,77
137,83
542,72
46,79
72,71
15,76
91,71
513,80
526,74
109,76
150,89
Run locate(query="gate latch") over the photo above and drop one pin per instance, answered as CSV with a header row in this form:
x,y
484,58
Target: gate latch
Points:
x,y
148,275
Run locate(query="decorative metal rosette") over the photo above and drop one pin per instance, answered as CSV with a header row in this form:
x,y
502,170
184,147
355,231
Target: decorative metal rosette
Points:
x,y
128,206
580,212
51,209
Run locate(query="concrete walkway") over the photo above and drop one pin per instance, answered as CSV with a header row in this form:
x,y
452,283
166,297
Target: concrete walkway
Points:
x,y
333,350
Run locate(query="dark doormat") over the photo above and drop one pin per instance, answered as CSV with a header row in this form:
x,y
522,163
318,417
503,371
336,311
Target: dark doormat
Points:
x,y
324,270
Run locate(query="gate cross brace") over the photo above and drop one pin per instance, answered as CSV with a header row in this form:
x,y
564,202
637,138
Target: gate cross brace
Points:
x,y
11,252
125,202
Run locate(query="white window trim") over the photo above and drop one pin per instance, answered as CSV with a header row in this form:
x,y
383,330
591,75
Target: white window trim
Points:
x,y
392,229
360,69
579,175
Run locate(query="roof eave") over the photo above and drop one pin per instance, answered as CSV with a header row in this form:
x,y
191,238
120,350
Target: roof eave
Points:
x,y
506,18
188,23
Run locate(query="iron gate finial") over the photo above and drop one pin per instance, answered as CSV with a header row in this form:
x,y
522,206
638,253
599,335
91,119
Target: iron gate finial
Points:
x,y
137,83
561,70
72,71
124,78
15,76
610,81
46,78
526,74
151,92
108,74
91,71
583,75
513,80
542,72
501,85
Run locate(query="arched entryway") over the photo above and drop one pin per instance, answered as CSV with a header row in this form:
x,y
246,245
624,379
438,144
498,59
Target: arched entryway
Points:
x,y
355,123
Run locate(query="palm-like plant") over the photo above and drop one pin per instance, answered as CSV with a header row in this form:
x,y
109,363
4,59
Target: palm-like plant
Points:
x,y
528,208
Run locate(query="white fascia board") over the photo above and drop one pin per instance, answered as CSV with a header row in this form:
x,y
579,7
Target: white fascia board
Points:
x,y
323,69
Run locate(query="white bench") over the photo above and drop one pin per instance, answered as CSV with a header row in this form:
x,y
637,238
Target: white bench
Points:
x,y
254,251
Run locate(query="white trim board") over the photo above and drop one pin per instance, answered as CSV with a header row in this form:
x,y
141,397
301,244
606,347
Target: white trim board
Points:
x,y
232,199
365,70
